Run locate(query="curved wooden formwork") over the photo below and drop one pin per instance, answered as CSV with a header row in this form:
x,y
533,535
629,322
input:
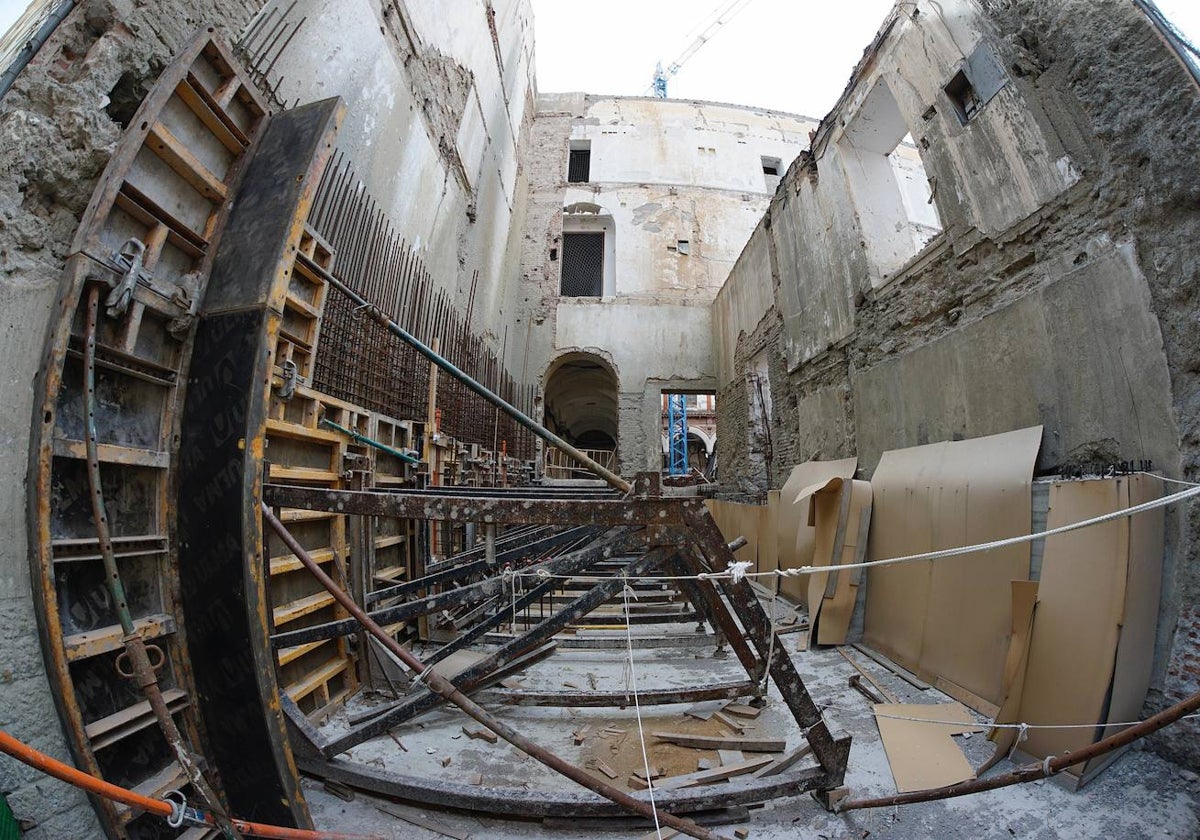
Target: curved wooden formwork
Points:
x,y
147,240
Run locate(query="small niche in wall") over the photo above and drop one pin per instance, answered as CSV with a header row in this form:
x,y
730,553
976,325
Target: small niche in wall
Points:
x,y
684,247
772,168
975,83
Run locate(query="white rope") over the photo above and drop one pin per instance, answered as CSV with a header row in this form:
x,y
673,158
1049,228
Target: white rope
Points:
x,y
626,591
1024,727
1193,490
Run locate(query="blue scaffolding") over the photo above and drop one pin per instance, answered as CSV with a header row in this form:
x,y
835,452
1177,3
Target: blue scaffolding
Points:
x,y
677,433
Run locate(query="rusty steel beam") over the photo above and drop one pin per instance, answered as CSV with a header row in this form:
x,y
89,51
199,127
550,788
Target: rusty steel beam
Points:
x,y
472,677
449,692
474,562
611,545
672,511
832,753
600,699
521,802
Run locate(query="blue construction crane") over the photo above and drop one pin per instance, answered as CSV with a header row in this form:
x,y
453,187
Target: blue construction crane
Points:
x,y
720,16
677,434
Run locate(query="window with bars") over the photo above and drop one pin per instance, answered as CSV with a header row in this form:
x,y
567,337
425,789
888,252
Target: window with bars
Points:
x,y
579,167
582,265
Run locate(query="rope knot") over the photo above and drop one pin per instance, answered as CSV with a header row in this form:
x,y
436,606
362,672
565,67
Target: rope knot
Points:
x,y
737,570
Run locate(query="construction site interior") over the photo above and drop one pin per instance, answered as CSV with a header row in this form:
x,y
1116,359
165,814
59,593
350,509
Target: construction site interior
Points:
x,y
391,449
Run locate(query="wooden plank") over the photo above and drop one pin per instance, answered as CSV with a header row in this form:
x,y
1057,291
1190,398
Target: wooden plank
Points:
x,y
784,762
303,474
295,430
201,103
108,730
718,742
315,679
186,165
291,563
303,606
903,673
291,654
705,777
111,453
423,822
170,777
80,646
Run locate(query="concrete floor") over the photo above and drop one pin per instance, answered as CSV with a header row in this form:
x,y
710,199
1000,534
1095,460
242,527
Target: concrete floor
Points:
x,y
1140,796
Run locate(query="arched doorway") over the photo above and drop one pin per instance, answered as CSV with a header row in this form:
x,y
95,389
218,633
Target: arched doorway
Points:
x,y
581,407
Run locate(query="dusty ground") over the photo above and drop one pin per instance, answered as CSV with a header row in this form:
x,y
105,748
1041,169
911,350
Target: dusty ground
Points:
x,y
1141,796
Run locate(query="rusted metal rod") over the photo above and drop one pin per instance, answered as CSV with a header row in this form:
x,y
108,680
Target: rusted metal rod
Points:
x,y
445,364
136,653
1033,772
446,689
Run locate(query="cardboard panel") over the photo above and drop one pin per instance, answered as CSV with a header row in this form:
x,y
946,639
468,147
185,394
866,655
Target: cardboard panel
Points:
x,y
1143,584
737,520
1024,602
951,618
794,536
841,513
1080,603
923,755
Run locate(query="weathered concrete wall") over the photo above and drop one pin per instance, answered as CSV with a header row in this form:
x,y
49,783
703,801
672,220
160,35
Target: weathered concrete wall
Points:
x,y
437,94
1059,293
58,127
662,171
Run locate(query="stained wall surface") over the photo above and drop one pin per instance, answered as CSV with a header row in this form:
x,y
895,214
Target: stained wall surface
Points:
x,y
679,186
1054,295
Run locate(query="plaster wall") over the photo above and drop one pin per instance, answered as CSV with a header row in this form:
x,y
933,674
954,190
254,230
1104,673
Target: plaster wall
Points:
x,y
1057,293
680,186
58,127
438,95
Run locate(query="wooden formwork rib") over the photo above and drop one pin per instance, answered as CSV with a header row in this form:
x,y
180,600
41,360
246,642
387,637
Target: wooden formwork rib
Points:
x,y
165,187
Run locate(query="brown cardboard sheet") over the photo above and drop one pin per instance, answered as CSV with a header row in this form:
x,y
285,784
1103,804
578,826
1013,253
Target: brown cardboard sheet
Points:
x,y
841,513
1139,619
950,618
737,520
1093,636
924,756
1024,603
794,535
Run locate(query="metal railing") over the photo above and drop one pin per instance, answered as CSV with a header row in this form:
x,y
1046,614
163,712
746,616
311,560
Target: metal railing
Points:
x,y
560,465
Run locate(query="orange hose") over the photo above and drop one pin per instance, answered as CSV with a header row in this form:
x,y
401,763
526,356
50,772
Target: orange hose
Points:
x,y
65,772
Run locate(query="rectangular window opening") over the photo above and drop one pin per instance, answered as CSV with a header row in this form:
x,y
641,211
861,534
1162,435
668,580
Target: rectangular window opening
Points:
x,y
582,265
962,96
771,165
579,167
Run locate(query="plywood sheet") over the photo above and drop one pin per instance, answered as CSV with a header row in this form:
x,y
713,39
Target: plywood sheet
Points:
x,y
794,535
1080,603
924,755
841,514
950,618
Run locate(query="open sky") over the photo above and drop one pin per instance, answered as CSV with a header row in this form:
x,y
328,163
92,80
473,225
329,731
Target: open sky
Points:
x,y
789,55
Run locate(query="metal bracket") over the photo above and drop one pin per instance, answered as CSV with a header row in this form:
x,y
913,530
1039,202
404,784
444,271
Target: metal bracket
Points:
x,y
291,376
129,259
